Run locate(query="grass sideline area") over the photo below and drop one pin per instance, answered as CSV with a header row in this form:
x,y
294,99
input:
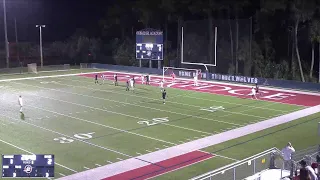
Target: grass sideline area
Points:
x,y
302,133
87,125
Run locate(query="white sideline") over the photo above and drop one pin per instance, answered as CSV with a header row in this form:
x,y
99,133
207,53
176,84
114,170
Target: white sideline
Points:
x,y
227,83
131,164
203,81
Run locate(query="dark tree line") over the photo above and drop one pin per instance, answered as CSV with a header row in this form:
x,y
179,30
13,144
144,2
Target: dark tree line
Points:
x,y
284,40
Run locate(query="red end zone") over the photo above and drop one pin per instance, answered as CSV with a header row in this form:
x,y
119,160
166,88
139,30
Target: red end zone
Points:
x,y
224,89
162,167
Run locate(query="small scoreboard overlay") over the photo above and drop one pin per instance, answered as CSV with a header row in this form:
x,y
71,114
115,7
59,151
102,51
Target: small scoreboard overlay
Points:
x,y
149,44
25,166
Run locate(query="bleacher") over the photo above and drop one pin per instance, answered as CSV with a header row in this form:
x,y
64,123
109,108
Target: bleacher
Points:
x,y
267,165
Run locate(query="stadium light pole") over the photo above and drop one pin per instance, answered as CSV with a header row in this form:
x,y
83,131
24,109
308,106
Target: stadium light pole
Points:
x,y
5,32
41,55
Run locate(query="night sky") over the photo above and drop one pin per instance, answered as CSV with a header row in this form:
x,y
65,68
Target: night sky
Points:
x,y
61,17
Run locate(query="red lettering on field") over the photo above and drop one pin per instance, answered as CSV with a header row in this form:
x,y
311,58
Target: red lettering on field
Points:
x,y
278,96
235,91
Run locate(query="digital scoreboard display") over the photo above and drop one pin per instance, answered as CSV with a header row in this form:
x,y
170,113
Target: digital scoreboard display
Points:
x,y
149,44
149,51
22,166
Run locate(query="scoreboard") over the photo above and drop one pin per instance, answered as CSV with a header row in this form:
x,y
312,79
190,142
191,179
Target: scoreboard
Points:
x,y
149,51
22,166
149,44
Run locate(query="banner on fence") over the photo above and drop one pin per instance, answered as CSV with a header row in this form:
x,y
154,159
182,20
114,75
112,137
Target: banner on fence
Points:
x,y
233,78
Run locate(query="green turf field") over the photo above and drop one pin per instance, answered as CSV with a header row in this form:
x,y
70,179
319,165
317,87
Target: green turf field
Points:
x,y
86,125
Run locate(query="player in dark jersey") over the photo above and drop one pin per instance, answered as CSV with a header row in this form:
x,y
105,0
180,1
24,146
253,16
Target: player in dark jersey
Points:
x,y
257,89
127,88
147,79
96,79
134,81
164,94
116,79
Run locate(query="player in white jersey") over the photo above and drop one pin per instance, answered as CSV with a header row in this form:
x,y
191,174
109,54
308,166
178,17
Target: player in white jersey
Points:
x,y
103,77
161,86
20,101
195,80
253,93
142,79
131,84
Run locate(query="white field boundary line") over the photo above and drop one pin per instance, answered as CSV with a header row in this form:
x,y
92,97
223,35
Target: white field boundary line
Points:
x,y
61,134
120,130
136,104
226,83
83,120
98,124
174,125
124,166
179,168
219,155
51,76
77,74
118,112
214,155
113,112
210,82
188,96
253,107
8,74
24,150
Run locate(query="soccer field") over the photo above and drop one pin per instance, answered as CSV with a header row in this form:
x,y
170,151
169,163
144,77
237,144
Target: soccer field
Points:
x,y
87,125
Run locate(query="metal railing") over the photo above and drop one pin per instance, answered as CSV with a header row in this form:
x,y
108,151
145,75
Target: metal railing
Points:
x,y
308,154
269,159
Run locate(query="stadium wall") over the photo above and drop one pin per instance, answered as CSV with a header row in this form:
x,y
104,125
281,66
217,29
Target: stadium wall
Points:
x,y
287,84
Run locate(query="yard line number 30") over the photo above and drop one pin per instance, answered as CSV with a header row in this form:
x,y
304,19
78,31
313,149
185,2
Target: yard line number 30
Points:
x,y
81,136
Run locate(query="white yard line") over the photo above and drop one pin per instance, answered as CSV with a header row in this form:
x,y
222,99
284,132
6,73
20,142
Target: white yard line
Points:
x,y
55,132
136,104
197,144
223,83
24,150
135,117
219,155
178,168
200,81
188,96
188,115
99,124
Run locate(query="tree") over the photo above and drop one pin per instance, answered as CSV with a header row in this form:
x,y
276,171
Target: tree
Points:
x,y
118,20
193,51
314,36
169,10
244,55
206,7
146,12
302,11
124,53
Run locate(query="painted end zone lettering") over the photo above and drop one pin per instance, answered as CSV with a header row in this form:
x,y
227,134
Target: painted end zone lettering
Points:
x,y
241,91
